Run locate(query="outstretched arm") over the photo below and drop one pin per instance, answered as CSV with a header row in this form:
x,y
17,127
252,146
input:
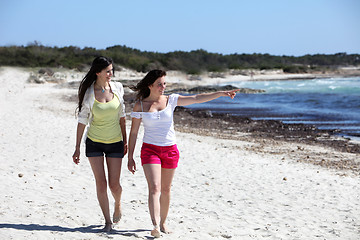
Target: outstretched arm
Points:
x,y
204,97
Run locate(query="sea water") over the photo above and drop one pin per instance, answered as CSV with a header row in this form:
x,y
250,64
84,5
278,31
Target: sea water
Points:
x,y
331,103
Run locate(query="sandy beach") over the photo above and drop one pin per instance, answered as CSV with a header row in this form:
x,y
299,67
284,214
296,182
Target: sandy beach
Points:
x,y
229,184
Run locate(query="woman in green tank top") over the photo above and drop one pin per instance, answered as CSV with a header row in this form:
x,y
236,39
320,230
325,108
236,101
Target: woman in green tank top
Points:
x,y
101,108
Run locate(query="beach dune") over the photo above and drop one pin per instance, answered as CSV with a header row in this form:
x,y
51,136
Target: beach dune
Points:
x,y
223,189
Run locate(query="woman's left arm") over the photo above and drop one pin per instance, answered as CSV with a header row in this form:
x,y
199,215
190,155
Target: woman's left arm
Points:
x,y
123,132
204,97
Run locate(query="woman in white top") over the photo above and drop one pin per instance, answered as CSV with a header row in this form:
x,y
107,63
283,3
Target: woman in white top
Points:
x,y
159,154
101,107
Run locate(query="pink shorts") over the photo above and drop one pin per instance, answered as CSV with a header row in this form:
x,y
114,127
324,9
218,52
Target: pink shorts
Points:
x,y
166,156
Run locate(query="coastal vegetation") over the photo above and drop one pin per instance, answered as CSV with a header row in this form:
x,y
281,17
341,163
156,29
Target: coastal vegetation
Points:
x,y
193,62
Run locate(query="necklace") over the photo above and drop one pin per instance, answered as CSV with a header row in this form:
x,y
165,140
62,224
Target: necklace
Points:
x,y
102,88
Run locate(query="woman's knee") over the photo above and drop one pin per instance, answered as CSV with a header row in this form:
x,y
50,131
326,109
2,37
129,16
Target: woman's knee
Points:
x,y
115,186
165,189
155,189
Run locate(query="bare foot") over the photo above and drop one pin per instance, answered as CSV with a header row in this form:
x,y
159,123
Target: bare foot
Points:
x,y
117,214
107,228
116,217
155,233
164,229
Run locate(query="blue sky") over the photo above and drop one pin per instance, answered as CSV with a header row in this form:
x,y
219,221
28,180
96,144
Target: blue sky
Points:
x,y
277,27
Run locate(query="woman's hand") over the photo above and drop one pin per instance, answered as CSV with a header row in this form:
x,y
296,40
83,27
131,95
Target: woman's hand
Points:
x,y
76,156
125,148
131,165
231,93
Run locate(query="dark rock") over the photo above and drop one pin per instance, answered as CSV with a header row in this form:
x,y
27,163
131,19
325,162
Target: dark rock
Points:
x,y
269,129
46,71
213,88
83,67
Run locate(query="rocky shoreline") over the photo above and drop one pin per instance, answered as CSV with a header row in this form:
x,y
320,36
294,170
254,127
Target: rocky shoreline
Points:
x,y
269,136
230,126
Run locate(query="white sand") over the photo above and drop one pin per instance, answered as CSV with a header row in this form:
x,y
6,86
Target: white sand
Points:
x,y
222,188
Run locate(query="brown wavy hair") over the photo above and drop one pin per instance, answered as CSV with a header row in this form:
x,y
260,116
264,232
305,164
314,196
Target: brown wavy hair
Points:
x,y
142,88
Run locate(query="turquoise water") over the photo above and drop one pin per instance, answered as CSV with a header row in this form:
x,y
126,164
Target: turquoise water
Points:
x,y
332,103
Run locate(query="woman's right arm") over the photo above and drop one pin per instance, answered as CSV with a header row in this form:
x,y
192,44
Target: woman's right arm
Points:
x,y
79,133
83,120
135,125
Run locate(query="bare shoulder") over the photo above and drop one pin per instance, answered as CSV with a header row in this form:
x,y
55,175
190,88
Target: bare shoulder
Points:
x,y
182,96
166,97
137,107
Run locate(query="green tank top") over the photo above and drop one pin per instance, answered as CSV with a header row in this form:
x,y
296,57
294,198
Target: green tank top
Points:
x,y
105,126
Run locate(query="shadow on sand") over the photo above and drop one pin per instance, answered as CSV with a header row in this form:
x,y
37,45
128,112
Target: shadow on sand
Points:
x,y
86,229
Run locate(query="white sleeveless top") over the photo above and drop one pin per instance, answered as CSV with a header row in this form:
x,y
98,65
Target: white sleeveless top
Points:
x,y
159,126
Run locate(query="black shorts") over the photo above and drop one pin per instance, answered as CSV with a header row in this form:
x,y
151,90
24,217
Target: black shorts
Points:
x,y
97,149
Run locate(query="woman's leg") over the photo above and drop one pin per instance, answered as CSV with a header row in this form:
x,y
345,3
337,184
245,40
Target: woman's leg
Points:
x,y
97,166
167,176
153,177
114,170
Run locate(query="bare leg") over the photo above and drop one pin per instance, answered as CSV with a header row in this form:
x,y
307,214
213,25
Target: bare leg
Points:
x,y
97,166
114,170
167,176
108,227
153,177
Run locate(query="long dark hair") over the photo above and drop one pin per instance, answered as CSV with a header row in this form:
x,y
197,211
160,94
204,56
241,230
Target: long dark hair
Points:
x,y
142,88
97,66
